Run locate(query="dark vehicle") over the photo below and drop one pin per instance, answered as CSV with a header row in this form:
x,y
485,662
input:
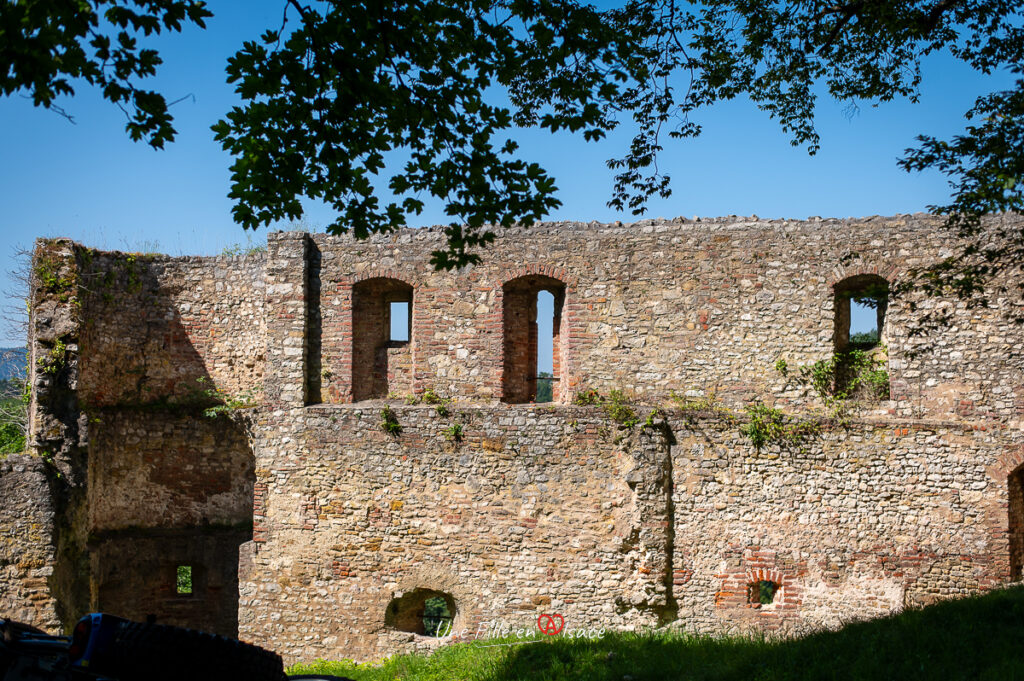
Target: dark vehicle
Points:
x,y
108,648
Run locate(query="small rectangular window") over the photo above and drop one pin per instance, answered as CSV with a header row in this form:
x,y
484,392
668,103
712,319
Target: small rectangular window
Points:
x,y
762,592
183,586
400,321
864,332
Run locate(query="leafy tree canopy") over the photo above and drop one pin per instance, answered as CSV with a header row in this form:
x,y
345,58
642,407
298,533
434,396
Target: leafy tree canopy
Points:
x,y
374,107
46,44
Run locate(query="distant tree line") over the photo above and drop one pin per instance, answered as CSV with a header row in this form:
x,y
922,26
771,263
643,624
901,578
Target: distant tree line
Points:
x,y
13,401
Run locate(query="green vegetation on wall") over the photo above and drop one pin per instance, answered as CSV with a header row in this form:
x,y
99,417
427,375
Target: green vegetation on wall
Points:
x,y
768,425
843,380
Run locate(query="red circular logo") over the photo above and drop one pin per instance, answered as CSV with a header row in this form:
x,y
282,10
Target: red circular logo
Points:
x,y
548,624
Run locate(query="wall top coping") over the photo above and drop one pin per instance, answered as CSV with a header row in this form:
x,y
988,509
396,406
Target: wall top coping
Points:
x,y
923,222
256,257
916,222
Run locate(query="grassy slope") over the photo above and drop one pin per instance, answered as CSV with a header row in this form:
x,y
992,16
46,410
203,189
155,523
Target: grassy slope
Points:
x,y
976,638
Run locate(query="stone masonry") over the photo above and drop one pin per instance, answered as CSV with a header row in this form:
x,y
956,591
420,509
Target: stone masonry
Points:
x,y
312,527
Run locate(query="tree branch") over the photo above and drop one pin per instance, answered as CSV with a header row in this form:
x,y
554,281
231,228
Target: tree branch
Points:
x,y
935,15
849,11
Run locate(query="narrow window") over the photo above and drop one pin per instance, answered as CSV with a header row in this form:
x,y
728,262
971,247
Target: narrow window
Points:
x,y
860,306
1016,524
545,346
762,592
533,342
183,580
864,330
381,338
860,360
400,321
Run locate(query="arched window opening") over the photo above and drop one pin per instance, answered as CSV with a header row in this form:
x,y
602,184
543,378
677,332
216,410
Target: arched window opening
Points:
x,y
860,363
762,592
533,340
1016,525
860,306
422,611
381,338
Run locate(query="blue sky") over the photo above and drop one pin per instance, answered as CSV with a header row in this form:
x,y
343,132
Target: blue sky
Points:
x,y
88,181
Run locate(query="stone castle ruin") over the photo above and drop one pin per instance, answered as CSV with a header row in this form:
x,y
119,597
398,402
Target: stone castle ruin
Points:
x,y
255,423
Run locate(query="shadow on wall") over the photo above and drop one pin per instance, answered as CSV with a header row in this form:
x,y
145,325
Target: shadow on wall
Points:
x,y
170,485
149,336
170,492
185,577
1015,484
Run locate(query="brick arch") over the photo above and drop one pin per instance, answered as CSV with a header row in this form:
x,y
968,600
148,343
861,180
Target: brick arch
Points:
x,y
1006,463
788,597
841,272
380,366
767,575
380,273
515,303
544,270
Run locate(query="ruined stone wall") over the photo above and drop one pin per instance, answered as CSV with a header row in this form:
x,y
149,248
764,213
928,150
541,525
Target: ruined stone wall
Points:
x,y
134,575
168,469
168,490
344,529
127,351
58,431
559,509
655,307
854,523
530,507
27,542
162,329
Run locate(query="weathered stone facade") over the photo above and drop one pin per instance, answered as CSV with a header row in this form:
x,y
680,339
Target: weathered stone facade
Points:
x,y
313,530
27,550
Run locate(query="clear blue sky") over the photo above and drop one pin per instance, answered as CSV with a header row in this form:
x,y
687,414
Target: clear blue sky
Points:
x,y
88,181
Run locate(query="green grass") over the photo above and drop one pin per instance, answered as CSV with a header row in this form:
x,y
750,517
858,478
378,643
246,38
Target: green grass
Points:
x,y
977,638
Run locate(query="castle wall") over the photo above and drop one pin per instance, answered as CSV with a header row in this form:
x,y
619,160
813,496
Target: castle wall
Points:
x,y
652,308
159,469
168,488
127,351
134,574
314,531
527,510
560,510
853,523
161,329
27,542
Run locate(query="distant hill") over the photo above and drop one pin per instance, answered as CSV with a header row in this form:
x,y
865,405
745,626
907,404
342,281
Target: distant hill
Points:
x,y
12,362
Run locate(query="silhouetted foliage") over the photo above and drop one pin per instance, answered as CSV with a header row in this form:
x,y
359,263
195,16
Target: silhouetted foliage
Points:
x,y
47,44
374,107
